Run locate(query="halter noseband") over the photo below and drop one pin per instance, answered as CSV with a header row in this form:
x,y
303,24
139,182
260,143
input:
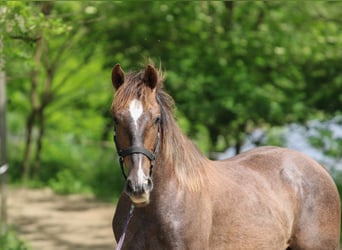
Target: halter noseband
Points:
x,y
137,150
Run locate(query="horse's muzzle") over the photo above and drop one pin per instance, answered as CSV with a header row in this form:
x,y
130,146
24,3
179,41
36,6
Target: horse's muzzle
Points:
x,y
139,192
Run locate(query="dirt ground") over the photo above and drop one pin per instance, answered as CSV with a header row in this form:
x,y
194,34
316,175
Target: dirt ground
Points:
x,y
52,222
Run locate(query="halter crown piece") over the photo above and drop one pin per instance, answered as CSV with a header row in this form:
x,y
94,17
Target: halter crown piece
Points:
x,y
137,150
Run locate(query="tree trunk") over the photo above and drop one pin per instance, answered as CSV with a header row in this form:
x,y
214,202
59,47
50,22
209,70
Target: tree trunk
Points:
x,y
238,145
36,106
3,146
39,142
230,10
239,138
28,146
46,99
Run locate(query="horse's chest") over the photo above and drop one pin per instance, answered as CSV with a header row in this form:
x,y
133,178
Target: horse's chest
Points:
x,y
167,233
151,236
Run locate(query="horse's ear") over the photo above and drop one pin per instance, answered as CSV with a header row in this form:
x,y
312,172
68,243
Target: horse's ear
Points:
x,y
150,77
118,76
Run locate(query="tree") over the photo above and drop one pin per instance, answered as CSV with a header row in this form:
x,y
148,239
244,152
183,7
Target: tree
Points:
x,y
48,34
236,57
3,146
231,66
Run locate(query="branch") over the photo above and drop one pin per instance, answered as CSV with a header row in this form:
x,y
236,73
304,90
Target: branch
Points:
x,y
260,18
27,38
230,7
320,15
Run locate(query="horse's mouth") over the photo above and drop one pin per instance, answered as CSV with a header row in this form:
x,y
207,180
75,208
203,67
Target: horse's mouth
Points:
x,y
140,200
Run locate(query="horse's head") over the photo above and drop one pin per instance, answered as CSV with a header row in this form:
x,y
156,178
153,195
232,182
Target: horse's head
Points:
x,y
137,118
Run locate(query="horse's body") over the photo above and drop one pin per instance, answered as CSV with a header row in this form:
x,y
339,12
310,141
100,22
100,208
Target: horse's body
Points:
x,y
267,198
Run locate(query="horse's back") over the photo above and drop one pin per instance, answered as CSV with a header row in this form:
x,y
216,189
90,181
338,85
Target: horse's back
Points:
x,y
304,192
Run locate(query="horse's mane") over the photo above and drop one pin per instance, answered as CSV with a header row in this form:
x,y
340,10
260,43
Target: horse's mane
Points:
x,y
188,162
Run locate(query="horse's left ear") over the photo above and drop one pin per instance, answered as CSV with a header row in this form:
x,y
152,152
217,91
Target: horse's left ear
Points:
x,y
151,77
118,76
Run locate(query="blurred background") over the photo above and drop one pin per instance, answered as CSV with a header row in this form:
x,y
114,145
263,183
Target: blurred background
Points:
x,y
242,73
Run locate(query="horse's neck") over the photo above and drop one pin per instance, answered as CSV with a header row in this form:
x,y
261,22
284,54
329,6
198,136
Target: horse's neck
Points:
x,y
182,161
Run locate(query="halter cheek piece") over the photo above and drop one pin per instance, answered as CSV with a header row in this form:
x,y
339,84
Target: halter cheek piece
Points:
x,y
137,150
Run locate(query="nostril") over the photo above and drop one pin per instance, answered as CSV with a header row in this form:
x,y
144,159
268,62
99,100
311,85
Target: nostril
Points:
x,y
129,186
149,185
134,188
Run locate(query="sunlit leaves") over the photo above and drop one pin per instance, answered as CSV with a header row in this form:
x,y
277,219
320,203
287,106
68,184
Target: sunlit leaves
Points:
x,y
232,67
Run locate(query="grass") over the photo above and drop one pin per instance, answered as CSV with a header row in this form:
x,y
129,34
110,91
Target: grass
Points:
x,y
11,241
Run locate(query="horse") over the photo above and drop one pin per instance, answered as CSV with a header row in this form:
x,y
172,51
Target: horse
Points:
x,y
266,198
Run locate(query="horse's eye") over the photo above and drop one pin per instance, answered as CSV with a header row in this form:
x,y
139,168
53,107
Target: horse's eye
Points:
x,y
157,120
115,121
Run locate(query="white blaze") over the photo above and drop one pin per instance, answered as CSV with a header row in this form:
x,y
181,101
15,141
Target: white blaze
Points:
x,y
136,110
141,175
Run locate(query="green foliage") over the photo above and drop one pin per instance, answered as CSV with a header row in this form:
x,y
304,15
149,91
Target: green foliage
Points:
x,y
275,137
250,63
231,67
66,183
10,241
326,142
106,180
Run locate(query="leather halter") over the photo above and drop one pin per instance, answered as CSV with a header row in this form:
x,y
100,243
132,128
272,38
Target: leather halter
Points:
x,y
137,150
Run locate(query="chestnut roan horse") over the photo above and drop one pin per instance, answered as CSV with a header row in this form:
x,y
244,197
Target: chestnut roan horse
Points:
x,y
267,198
